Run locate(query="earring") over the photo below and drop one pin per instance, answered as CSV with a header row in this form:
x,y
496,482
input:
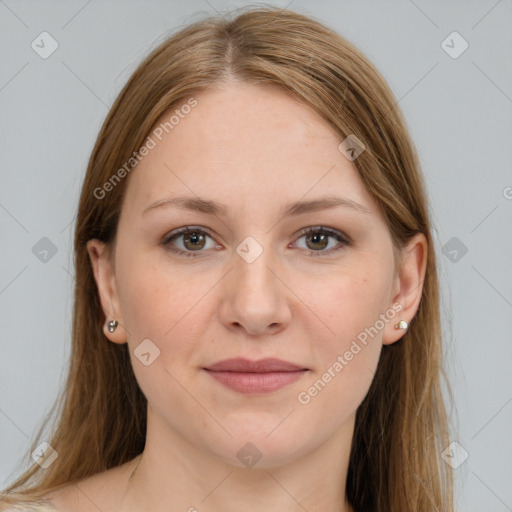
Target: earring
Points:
x,y
112,325
402,325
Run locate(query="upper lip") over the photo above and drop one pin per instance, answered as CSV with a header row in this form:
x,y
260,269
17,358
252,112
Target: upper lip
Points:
x,y
239,364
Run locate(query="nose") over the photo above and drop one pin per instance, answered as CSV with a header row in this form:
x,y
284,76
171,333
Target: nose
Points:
x,y
255,298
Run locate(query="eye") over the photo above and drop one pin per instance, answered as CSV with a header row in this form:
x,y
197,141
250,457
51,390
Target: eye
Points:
x,y
317,238
193,241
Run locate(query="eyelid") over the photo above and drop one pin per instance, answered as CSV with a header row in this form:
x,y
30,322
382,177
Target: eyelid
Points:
x,y
186,229
330,231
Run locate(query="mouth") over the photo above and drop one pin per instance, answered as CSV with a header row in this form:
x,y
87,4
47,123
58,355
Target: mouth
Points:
x,y
254,377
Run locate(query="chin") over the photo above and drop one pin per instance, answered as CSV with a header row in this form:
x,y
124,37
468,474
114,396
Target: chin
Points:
x,y
257,449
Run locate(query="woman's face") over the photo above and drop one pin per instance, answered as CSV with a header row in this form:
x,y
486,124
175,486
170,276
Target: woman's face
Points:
x,y
249,281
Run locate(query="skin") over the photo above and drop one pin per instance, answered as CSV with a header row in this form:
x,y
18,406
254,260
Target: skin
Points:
x,y
255,150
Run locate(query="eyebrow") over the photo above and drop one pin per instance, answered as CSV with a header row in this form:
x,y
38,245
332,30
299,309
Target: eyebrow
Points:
x,y
293,209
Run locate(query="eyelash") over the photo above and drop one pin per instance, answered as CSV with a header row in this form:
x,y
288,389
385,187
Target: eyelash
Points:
x,y
343,239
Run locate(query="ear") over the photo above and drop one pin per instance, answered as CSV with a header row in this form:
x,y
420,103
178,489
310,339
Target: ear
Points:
x,y
104,276
408,286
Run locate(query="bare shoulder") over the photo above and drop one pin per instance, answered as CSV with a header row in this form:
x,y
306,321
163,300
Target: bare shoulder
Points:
x,y
100,491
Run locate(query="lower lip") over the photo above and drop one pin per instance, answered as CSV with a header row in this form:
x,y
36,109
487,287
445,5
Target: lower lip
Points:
x,y
256,382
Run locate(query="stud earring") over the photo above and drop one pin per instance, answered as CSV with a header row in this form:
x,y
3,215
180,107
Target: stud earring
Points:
x,y
402,325
112,325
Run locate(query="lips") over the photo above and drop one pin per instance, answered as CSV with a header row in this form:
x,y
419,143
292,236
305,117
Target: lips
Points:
x,y
240,364
262,376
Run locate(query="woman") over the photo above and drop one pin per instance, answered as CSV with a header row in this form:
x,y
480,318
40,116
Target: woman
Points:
x,y
256,320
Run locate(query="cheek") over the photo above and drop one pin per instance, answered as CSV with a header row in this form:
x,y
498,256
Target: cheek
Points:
x,y
155,297
346,360
168,307
350,305
348,355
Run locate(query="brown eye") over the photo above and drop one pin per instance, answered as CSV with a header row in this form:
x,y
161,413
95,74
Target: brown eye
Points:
x,y
194,240
317,239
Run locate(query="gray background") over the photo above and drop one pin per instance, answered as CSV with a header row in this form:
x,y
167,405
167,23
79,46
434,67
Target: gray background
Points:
x,y
459,113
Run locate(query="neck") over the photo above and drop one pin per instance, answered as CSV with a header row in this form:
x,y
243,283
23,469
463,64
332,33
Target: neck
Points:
x,y
173,474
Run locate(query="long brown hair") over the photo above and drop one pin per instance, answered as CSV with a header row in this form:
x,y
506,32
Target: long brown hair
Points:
x,y
401,426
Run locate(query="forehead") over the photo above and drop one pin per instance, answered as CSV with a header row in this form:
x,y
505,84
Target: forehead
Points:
x,y
244,143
